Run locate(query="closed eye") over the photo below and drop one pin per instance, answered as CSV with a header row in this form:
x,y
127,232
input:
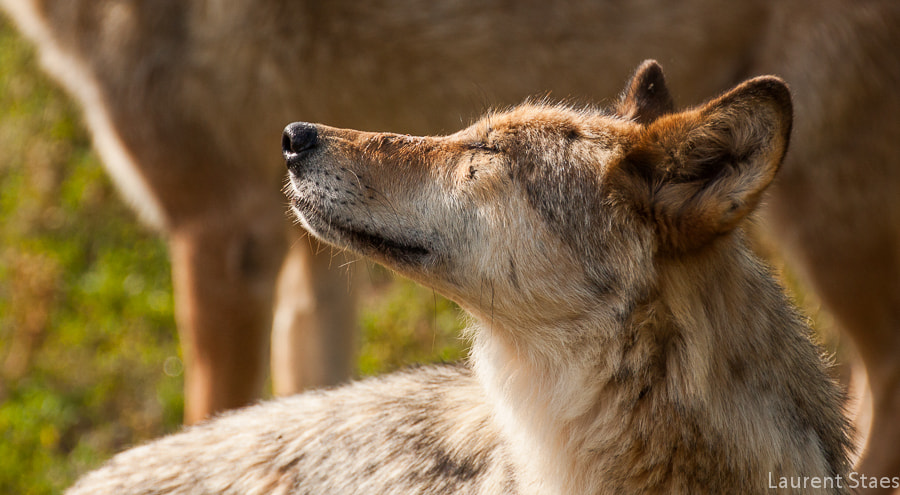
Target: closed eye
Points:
x,y
479,146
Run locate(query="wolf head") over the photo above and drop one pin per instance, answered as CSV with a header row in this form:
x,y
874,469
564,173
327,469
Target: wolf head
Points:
x,y
536,214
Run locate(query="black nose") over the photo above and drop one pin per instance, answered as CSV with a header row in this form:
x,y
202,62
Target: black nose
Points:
x,y
298,138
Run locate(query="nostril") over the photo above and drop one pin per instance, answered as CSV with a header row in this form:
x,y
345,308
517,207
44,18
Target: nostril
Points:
x,y
286,142
299,137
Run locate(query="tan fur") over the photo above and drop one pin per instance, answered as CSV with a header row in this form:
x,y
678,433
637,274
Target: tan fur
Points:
x,y
609,357
183,98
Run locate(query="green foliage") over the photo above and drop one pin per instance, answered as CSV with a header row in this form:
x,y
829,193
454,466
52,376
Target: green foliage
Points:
x,y
405,323
89,361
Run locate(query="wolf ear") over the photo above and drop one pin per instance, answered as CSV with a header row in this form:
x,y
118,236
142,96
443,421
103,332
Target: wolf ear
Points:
x,y
646,96
695,175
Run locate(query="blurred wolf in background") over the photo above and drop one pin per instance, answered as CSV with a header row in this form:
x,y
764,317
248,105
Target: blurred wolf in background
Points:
x,y
627,341
185,98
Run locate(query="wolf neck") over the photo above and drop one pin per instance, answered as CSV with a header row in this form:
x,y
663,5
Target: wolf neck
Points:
x,y
677,387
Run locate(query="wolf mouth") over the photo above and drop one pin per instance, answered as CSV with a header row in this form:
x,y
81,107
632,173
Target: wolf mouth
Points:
x,y
398,250
336,232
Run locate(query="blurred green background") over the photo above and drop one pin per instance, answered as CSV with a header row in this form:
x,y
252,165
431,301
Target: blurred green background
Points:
x,y
89,358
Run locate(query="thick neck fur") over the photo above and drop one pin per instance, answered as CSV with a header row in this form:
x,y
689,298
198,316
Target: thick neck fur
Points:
x,y
709,385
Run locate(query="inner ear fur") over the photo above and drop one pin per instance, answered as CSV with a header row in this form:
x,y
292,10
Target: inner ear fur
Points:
x,y
696,174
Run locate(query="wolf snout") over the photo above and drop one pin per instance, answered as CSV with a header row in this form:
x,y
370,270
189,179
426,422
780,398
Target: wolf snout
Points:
x,y
298,138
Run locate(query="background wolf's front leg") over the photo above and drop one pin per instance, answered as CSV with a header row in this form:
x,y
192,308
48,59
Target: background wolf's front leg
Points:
x,y
224,271
314,332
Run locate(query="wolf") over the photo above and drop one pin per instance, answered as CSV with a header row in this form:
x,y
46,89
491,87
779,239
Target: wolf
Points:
x,y
182,97
627,338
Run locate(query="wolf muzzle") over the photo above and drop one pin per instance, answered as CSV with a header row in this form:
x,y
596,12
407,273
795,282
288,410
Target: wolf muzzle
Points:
x,y
298,140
